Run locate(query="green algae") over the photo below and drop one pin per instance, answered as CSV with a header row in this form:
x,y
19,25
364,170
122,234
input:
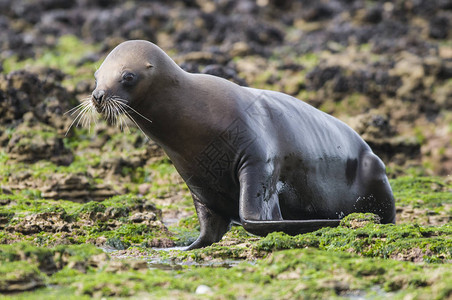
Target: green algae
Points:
x,y
30,201
43,255
24,266
359,233
323,270
31,136
433,244
67,56
109,219
44,169
405,242
297,273
124,235
359,220
349,272
421,191
26,202
20,275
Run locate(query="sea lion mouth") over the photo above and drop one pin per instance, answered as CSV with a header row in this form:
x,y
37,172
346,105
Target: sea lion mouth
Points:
x,y
113,109
98,108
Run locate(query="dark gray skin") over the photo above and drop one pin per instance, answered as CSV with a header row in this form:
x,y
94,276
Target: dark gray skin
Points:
x,y
258,158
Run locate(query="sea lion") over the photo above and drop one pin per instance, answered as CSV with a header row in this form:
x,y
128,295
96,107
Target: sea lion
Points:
x,y
258,158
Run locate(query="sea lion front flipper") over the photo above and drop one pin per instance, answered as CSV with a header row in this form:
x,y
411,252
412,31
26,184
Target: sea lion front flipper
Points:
x,y
212,225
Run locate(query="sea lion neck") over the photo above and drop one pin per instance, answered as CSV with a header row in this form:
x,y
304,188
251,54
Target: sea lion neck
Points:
x,y
180,104
174,107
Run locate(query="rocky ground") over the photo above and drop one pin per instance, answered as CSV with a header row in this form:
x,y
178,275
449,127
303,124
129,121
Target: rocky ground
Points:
x,y
385,68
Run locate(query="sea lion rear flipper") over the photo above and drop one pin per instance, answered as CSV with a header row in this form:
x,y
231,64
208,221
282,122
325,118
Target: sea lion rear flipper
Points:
x,y
259,208
292,227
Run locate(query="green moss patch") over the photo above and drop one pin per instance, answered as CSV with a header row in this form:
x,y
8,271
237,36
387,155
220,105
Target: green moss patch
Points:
x,y
66,56
403,242
421,191
298,273
117,222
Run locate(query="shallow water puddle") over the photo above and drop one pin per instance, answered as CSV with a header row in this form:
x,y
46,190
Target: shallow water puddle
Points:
x,y
170,264
164,263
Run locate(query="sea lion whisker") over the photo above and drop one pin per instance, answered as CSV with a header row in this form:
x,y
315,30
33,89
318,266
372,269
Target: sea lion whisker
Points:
x,y
123,119
118,105
128,106
106,111
115,97
87,117
76,108
132,119
122,116
80,114
84,115
86,120
84,111
131,108
123,123
92,117
113,113
93,112
117,114
110,114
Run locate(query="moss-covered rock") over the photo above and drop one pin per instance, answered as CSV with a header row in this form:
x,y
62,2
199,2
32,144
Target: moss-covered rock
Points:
x,y
358,220
117,222
297,273
402,242
20,276
422,191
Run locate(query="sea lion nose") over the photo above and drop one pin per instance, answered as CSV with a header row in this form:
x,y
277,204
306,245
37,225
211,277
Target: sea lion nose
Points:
x,y
98,95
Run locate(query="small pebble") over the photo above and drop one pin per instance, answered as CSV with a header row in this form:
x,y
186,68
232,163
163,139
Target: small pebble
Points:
x,y
203,289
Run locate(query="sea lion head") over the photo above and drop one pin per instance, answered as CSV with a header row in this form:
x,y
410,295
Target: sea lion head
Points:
x,y
133,83
124,78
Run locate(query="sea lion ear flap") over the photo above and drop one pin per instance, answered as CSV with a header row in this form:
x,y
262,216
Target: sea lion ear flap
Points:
x,y
149,65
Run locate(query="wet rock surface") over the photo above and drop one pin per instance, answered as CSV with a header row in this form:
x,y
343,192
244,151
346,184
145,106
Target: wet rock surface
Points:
x,y
34,96
32,143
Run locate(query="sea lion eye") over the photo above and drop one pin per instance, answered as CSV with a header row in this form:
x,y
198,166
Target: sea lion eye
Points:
x,y
128,77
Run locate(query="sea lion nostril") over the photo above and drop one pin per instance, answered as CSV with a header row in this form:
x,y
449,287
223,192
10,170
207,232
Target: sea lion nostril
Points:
x,y
98,95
